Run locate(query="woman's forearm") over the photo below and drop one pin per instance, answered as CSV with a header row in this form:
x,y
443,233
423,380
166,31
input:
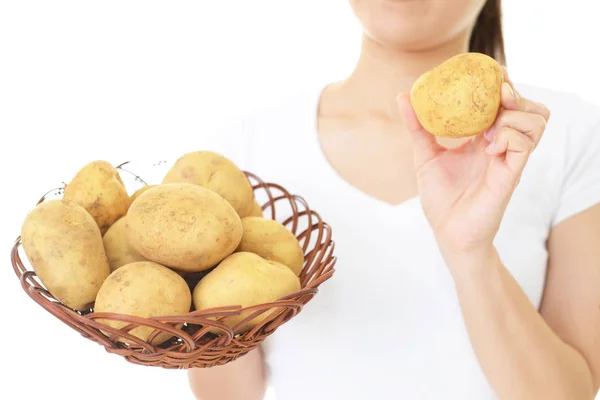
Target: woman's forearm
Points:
x,y
520,354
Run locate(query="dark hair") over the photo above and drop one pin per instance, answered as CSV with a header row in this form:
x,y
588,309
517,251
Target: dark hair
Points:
x,y
487,35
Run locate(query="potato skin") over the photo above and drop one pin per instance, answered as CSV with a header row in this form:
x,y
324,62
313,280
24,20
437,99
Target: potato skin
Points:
x,y
183,226
272,241
117,248
143,289
217,173
256,211
460,97
245,279
98,188
139,192
64,246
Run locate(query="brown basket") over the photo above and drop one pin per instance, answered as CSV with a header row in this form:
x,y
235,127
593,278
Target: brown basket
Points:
x,y
193,345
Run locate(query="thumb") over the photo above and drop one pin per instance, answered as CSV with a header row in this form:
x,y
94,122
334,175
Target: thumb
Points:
x,y
425,146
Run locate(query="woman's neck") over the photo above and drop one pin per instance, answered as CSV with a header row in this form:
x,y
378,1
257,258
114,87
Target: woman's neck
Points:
x,y
382,73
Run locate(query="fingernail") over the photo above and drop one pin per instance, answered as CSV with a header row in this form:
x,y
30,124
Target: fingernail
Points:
x,y
491,148
402,97
489,134
511,90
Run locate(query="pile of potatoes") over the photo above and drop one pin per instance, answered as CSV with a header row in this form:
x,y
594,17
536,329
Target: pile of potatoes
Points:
x,y
98,247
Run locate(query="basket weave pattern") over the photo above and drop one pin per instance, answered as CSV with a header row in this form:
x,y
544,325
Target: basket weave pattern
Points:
x,y
193,345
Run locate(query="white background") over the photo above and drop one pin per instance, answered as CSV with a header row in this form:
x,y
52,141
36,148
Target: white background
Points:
x,y
116,80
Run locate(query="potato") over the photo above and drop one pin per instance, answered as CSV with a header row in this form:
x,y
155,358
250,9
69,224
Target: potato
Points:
x,y
217,173
64,246
460,97
143,289
183,226
272,241
256,211
245,279
117,248
139,192
98,188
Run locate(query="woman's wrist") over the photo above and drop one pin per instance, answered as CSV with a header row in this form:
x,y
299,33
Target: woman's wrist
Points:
x,y
475,263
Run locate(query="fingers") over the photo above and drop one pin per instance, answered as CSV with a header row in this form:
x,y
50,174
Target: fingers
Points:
x,y
519,114
512,100
532,125
425,146
515,144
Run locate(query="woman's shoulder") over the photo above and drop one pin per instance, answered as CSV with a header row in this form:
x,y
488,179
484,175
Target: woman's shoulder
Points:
x,y
574,125
567,161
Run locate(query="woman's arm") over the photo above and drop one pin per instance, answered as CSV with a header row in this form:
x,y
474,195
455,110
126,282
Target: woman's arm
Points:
x,y
525,355
242,379
554,354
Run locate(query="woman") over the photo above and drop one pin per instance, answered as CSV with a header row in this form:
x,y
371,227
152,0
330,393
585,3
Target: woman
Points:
x,y
468,269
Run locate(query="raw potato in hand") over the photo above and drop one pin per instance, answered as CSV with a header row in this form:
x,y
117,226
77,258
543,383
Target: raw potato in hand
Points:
x,y
64,246
245,279
143,289
217,173
183,226
272,241
98,188
118,250
460,97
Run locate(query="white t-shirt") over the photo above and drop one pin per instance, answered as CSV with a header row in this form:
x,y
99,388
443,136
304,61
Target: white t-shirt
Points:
x,y
388,325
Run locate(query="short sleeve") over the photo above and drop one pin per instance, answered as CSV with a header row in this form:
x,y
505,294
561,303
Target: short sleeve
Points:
x,y
580,188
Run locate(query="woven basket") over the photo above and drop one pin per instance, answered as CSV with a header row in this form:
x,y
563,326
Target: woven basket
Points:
x,y
193,345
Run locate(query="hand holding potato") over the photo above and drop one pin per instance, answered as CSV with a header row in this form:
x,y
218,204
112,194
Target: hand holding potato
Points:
x,y
464,191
